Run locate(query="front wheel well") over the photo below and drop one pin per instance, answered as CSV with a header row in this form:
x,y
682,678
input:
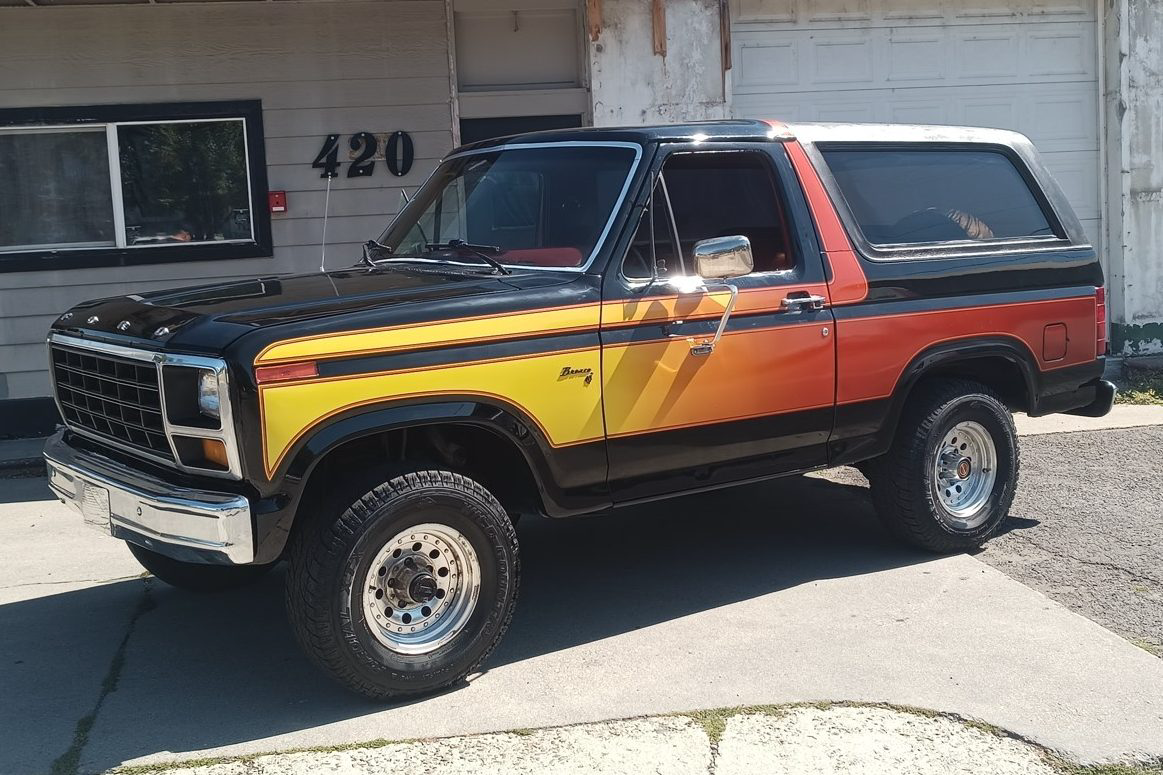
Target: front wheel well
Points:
x,y
472,450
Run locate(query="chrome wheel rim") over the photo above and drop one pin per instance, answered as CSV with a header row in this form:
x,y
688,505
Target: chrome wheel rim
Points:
x,y
964,473
421,589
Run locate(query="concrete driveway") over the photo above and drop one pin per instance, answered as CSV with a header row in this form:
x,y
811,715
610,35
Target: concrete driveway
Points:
x,y
777,593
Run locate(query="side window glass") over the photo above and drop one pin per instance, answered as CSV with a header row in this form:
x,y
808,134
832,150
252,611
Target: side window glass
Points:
x,y
656,218
724,194
910,196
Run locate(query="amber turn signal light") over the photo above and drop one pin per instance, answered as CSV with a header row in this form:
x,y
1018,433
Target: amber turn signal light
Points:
x,y
214,451
265,374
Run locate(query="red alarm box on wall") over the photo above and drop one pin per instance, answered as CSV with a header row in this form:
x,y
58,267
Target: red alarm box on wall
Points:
x,y
278,201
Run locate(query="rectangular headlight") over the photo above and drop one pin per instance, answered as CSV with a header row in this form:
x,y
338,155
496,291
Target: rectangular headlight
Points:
x,y
209,402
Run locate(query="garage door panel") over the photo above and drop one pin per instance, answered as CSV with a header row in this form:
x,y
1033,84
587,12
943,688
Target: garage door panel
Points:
x,y
832,13
916,56
1062,119
1028,65
763,66
1074,172
1056,117
1061,49
842,60
936,56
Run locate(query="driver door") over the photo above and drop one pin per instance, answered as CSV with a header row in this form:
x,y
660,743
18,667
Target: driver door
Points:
x,y
762,402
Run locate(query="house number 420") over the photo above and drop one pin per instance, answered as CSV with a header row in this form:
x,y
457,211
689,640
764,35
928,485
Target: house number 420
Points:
x,y
393,148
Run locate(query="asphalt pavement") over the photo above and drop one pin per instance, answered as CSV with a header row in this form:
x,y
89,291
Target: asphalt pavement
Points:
x,y
783,592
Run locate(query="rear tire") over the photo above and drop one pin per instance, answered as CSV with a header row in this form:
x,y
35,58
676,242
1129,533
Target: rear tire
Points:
x,y
196,577
408,588
948,481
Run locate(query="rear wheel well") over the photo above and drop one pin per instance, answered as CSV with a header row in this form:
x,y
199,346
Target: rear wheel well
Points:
x,y
1000,374
475,451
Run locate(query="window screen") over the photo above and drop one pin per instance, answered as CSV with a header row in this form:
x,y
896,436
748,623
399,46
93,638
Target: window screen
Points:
x,y
54,190
909,196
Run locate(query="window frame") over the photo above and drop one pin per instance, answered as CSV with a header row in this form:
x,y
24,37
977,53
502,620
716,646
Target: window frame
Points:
x,y
897,252
785,196
108,118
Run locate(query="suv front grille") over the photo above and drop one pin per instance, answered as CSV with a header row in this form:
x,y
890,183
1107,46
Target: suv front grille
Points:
x,y
113,397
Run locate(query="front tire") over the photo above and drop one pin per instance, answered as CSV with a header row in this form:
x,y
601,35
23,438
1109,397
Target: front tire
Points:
x,y
196,577
409,588
948,481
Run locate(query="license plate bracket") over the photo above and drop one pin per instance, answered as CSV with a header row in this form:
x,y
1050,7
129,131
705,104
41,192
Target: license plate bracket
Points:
x,y
95,505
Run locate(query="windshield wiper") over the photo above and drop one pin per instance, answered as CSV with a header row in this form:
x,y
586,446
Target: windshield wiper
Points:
x,y
374,245
477,250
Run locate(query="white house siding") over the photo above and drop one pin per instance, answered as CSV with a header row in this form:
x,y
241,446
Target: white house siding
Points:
x,y
1029,65
336,67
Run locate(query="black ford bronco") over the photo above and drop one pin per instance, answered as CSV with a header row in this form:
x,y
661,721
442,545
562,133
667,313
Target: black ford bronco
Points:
x,y
570,322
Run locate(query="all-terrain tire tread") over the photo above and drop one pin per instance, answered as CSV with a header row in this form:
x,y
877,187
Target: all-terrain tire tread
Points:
x,y
309,600
896,490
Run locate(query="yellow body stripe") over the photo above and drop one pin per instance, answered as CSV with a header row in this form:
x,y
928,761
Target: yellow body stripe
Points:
x,y
417,335
568,409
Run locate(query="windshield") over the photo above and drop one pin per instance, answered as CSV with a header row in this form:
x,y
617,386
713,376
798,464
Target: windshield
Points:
x,y
545,206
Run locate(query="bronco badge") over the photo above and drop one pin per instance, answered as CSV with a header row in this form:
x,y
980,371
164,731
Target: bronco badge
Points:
x,y
569,373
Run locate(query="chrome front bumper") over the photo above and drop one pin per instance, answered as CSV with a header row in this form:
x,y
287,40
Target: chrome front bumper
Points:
x,y
127,503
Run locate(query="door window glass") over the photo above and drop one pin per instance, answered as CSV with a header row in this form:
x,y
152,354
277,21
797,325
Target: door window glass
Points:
x,y
724,194
655,218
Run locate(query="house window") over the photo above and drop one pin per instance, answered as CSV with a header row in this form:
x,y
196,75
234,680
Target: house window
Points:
x,y
120,185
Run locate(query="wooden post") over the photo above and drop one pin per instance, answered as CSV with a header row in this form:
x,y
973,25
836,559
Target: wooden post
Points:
x,y
594,18
658,24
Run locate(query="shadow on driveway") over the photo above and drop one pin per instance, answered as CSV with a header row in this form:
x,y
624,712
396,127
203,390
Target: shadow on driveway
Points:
x,y
230,672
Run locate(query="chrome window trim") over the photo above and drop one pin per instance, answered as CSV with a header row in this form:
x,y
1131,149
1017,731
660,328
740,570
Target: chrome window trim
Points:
x,y
224,433
614,210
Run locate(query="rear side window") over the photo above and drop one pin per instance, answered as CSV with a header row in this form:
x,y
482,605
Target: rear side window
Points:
x,y
917,196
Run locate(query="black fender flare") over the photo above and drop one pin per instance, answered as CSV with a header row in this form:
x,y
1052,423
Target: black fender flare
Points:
x,y
1009,348
555,469
872,434
570,480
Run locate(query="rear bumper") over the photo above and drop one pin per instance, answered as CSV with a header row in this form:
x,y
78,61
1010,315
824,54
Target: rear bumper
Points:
x,y
1104,399
186,524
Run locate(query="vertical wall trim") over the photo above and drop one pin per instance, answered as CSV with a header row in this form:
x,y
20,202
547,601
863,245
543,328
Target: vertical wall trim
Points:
x,y
453,89
1100,68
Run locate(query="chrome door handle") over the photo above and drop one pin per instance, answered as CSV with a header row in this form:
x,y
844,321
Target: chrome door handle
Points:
x,y
795,302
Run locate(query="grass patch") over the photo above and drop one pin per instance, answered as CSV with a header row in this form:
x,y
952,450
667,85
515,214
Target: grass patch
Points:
x,y
713,722
1110,769
1141,386
1147,646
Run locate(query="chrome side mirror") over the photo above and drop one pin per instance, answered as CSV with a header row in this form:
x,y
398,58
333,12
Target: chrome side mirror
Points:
x,y
720,258
716,260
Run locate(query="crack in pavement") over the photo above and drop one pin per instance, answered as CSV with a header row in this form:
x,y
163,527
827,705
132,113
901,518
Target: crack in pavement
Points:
x,y
68,763
1093,563
73,581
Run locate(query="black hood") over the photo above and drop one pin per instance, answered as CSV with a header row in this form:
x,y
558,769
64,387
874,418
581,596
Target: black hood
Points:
x,y
208,317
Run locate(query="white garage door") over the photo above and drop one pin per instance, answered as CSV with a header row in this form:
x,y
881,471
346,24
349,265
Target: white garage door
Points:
x,y
1028,65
